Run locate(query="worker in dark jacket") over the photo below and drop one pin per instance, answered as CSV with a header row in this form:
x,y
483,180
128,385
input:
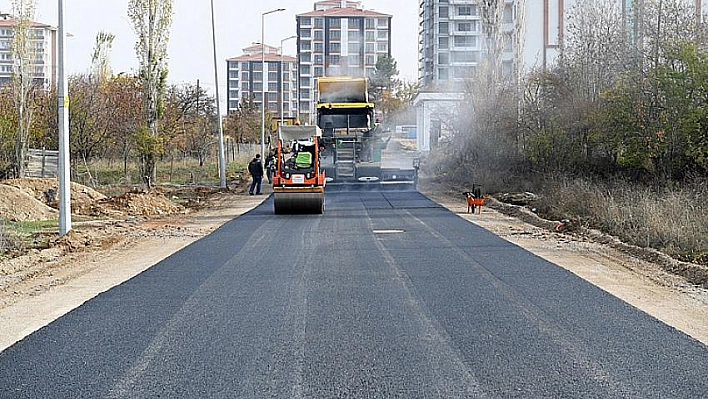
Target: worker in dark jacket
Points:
x,y
270,166
255,168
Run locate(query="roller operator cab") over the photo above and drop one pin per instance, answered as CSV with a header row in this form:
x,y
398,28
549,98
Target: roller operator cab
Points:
x,y
351,142
298,180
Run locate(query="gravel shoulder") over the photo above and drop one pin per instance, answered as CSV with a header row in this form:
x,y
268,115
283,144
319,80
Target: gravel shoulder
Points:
x,y
44,285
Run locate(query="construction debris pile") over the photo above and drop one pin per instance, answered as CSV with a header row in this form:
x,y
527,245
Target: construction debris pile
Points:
x,y
38,199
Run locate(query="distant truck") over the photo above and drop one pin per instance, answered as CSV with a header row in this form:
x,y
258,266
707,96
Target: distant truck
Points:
x,y
352,144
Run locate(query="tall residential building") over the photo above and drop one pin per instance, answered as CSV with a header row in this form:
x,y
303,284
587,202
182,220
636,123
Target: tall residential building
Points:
x,y
337,38
454,37
246,80
44,39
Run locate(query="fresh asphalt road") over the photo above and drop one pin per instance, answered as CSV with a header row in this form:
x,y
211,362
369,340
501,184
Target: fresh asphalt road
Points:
x,y
386,295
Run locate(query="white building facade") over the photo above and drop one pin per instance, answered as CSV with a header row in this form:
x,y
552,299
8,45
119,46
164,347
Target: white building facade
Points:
x,y
44,43
246,79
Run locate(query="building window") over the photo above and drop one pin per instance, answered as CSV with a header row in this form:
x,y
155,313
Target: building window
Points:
x,y
464,26
305,57
244,65
272,96
305,21
304,82
443,28
273,86
508,14
444,42
354,59
354,36
382,34
305,70
335,22
370,23
466,11
258,76
273,66
305,45
370,60
305,33
318,35
443,58
382,47
233,75
370,36
444,13
286,86
318,47
319,71
244,75
334,60
354,48
335,34
257,86
355,23
244,86
382,22
465,41
465,56
272,76
319,59
335,47
443,74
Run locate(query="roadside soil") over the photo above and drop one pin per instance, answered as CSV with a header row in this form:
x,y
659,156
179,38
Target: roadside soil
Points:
x,y
118,237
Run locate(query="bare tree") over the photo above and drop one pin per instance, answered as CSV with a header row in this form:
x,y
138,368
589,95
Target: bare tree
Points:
x,y
152,20
23,53
594,51
101,56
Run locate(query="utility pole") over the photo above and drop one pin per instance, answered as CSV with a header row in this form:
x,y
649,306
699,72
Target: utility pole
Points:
x,y
64,164
222,156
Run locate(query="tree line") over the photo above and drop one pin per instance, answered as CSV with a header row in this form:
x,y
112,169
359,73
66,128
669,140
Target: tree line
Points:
x,y
124,117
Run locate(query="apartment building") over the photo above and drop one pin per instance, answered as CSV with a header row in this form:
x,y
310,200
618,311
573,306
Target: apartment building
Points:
x,y
247,77
44,42
454,37
337,38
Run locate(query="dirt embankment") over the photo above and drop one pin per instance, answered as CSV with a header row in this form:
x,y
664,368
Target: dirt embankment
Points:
x,y
35,263
519,206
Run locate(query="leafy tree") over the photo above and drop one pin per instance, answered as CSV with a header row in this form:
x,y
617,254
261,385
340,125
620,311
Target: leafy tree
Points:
x,y
125,98
151,21
244,124
190,119
383,83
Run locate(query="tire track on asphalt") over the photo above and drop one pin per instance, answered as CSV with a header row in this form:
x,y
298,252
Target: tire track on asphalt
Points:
x,y
453,376
574,348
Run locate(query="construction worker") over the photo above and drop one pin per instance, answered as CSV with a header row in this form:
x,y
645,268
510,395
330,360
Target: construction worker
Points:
x,y
269,166
255,168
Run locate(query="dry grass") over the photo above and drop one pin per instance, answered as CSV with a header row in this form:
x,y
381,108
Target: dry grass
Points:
x,y
673,220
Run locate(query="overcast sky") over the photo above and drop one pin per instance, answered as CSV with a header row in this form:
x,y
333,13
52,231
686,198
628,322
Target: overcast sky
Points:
x,y
238,24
